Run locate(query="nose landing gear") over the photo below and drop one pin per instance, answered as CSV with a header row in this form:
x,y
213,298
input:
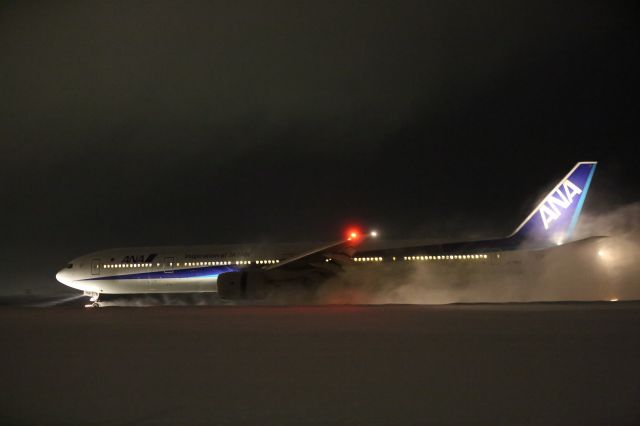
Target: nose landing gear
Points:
x,y
94,301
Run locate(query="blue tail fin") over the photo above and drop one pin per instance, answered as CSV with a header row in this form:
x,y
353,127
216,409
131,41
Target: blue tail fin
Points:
x,y
554,219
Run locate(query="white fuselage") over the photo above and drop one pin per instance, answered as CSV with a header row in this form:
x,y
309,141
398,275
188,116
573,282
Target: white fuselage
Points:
x,y
188,269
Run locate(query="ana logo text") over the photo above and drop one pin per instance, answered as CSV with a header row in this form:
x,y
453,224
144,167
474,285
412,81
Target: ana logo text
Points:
x,y
140,258
559,200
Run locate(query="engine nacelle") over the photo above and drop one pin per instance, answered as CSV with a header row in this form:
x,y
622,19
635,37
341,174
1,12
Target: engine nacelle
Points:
x,y
251,284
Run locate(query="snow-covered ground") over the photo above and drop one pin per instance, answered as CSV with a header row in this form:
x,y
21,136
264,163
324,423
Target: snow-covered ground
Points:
x,y
557,363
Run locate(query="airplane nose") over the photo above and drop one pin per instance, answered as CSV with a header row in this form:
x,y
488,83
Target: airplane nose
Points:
x,y
63,276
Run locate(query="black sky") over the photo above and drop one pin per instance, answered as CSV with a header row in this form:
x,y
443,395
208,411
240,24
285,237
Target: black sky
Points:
x,y
144,123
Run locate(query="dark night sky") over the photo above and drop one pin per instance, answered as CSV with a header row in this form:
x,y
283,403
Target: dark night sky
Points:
x,y
168,123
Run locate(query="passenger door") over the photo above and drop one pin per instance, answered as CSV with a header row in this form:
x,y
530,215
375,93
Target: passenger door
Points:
x,y
95,266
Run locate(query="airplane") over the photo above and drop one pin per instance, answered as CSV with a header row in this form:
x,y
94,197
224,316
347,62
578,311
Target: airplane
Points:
x,y
244,271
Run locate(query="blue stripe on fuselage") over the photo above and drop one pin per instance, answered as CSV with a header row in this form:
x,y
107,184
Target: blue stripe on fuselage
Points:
x,y
204,272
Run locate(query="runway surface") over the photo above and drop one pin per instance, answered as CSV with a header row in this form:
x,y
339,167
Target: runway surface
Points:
x,y
510,364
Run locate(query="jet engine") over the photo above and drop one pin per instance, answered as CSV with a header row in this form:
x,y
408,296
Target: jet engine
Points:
x,y
251,284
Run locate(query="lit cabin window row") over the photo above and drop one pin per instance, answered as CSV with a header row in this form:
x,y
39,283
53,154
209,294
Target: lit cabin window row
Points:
x,y
128,265
217,263
368,259
191,264
448,257
211,263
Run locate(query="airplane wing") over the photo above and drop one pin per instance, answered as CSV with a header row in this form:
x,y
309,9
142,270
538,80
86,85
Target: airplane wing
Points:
x,y
301,268
336,252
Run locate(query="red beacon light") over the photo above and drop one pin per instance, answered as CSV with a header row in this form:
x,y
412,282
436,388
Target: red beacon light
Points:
x,y
353,234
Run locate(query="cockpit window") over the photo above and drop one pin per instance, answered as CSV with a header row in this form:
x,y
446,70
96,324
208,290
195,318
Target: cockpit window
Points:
x,y
70,265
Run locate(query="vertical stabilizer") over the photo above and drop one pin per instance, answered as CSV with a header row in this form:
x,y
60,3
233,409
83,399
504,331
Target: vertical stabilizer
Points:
x,y
554,219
